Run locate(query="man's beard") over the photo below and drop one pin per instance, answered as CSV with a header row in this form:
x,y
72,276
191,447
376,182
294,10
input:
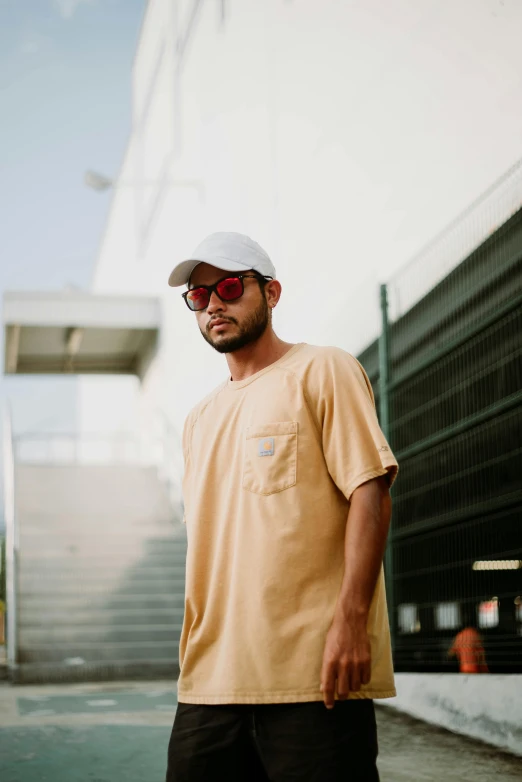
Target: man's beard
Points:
x,y
250,331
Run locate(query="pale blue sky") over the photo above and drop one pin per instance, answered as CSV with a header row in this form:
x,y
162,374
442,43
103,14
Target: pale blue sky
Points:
x,y
65,71
65,87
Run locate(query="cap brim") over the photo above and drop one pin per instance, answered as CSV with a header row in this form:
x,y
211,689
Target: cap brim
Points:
x,y
180,275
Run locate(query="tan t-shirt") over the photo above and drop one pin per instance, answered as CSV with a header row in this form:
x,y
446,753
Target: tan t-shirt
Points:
x,y
270,466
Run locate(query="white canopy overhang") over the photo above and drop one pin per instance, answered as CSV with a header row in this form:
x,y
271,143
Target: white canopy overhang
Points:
x,y
79,333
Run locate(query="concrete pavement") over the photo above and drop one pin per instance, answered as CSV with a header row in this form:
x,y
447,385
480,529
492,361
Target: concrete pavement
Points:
x,y
108,732
414,751
118,732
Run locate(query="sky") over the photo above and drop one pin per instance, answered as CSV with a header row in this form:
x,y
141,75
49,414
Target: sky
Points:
x,y
65,87
65,93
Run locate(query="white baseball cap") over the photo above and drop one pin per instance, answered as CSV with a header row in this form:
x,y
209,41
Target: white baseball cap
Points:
x,y
229,251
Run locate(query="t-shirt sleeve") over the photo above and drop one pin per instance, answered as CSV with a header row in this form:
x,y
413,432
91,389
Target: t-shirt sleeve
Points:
x,y
354,446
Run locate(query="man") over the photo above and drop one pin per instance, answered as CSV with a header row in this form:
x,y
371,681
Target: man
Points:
x,y
285,641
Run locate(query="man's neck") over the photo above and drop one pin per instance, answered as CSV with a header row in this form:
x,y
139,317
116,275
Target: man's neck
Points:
x,y
253,358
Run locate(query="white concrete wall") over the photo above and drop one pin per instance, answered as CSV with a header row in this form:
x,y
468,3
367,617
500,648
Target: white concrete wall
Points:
x,y
484,707
341,136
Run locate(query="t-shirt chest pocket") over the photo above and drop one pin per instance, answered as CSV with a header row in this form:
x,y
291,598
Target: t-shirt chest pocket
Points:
x,y
270,461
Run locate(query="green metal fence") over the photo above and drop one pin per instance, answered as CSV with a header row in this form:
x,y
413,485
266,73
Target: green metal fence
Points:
x,y
448,379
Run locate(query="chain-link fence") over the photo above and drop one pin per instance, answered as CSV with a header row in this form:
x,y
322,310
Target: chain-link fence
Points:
x,y
453,400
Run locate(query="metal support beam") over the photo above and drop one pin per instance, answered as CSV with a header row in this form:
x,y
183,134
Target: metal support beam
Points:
x,y
73,342
384,411
384,365
12,348
11,542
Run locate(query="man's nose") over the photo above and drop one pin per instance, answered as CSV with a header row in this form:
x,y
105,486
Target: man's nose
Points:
x,y
215,304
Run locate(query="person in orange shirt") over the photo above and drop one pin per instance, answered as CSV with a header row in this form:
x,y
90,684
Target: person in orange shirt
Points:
x,y
469,651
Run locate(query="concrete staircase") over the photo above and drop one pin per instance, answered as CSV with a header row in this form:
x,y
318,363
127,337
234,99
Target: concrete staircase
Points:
x,y
101,574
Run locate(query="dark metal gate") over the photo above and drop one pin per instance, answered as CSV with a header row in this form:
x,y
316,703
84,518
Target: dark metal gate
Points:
x,y
448,382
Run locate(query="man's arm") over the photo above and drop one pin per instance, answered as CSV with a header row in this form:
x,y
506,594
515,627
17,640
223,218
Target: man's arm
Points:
x,y
347,654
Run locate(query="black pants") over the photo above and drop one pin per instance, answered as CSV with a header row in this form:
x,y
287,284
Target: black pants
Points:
x,y
292,742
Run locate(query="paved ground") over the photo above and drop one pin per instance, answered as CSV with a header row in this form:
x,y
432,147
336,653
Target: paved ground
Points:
x,y
119,733
412,751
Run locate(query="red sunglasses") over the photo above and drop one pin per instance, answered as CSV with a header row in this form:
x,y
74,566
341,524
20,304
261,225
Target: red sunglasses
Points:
x,y
227,289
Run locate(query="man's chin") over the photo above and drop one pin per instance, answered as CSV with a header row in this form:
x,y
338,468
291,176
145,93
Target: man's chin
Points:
x,y
219,343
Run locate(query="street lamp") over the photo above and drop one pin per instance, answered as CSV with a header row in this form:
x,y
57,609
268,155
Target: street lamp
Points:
x,y
97,181
101,183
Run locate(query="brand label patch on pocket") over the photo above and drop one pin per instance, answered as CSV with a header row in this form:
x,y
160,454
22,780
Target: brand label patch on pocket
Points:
x,y
266,446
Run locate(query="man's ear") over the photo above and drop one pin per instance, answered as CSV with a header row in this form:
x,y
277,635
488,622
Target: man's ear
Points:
x,y
273,291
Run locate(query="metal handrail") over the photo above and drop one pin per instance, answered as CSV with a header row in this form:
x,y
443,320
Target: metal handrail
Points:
x,y
170,465
456,242
69,448
158,446
11,541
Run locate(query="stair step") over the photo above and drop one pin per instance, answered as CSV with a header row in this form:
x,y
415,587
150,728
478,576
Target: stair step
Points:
x,y
173,544
104,557
89,616
76,602
129,587
79,563
89,565
67,542
84,519
61,636
41,673
101,577
94,652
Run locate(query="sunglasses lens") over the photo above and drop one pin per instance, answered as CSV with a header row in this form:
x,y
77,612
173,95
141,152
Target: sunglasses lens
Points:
x,y
198,298
230,289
